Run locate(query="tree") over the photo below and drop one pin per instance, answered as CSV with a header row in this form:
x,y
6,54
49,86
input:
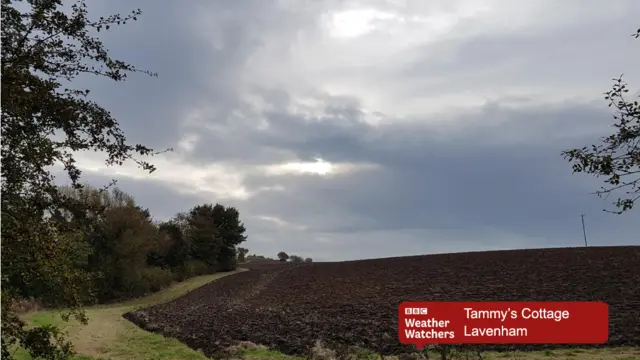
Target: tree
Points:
x,y
231,231
214,233
308,260
283,256
618,156
204,236
124,243
242,252
44,121
122,246
179,251
296,259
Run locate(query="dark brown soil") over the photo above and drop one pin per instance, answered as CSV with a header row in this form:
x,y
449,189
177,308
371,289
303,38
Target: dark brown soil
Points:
x,y
288,307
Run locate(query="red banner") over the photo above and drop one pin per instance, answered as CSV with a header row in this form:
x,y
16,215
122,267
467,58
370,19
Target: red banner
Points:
x,y
423,323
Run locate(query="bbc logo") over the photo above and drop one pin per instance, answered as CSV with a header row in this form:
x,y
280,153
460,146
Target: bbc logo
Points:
x,y
416,311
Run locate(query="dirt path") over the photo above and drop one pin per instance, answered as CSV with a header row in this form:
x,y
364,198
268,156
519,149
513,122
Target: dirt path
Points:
x,y
109,335
105,325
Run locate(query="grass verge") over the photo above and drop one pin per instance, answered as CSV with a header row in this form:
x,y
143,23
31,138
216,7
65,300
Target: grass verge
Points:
x,y
109,336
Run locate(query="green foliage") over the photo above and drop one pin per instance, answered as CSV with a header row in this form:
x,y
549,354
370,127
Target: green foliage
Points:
x,y
155,279
214,232
129,256
283,256
617,157
308,260
227,261
203,235
122,241
231,233
296,259
43,123
179,248
196,268
47,342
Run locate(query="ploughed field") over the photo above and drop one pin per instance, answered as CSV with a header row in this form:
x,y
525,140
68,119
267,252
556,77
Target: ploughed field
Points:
x,y
288,307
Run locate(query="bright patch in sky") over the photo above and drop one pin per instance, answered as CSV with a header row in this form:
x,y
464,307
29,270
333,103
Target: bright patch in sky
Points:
x,y
319,167
354,23
280,223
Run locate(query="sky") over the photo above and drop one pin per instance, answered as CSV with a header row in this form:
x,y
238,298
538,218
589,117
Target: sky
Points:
x,y
348,129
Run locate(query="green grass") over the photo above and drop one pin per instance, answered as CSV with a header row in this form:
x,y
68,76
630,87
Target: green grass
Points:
x,y
109,336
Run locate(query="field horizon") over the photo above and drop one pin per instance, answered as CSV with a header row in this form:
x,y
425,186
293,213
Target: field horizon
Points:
x,y
577,247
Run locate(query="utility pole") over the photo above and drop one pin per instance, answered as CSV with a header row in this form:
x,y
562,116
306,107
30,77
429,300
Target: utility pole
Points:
x,y
584,232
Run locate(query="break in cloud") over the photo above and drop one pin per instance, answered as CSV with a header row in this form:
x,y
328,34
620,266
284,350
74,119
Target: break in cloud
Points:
x,y
359,129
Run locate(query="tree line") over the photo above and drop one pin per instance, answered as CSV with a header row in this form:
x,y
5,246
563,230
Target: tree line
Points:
x,y
126,254
283,256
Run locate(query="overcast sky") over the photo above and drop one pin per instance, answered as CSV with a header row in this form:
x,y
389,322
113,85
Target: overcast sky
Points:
x,y
358,129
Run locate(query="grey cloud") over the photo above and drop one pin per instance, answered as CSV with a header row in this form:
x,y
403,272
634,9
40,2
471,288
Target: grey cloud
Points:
x,y
339,134
192,71
486,178
558,57
465,183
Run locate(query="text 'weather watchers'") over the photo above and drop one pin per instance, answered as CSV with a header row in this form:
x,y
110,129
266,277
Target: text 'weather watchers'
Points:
x,y
423,323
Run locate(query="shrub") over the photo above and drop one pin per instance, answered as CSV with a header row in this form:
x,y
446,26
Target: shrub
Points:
x,y
156,278
131,285
196,268
227,263
139,282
